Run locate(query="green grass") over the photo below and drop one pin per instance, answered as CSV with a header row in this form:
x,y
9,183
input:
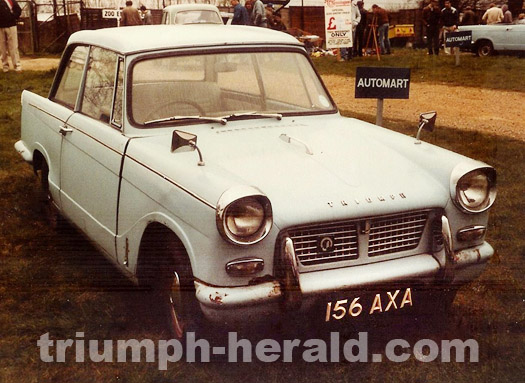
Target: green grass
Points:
x,y
56,283
496,72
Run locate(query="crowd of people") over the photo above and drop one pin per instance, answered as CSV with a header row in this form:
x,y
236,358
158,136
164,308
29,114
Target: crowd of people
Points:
x,y
255,13
440,21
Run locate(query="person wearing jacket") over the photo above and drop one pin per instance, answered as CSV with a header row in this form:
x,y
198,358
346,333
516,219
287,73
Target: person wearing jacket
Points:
x,y
432,19
450,21
9,13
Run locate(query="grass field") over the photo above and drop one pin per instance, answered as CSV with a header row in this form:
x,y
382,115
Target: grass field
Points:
x,y
59,284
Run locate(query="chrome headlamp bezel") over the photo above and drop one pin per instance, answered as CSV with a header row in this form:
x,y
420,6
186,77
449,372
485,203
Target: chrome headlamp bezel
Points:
x,y
464,178
240,200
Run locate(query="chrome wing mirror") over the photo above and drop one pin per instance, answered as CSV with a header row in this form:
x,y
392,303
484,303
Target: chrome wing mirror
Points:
x,y
426,121
185,142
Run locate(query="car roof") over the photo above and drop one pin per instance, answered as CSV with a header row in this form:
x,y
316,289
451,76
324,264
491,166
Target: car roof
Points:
x,y
142,38
190,7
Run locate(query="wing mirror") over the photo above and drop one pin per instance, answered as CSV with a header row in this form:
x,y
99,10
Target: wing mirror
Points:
x,y
426,121
185,142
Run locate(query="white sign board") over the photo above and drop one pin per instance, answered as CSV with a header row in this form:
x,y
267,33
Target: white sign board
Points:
x,y
111,13
338,23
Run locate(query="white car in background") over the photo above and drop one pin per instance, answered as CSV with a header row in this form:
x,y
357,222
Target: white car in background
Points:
x,y
211,164
191,14
503,38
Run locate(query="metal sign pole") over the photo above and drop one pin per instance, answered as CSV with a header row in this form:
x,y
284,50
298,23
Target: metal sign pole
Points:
x,y
379,113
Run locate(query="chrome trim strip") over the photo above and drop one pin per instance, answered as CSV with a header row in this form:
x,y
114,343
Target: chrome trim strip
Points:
x,y
46,112
172,182
97,140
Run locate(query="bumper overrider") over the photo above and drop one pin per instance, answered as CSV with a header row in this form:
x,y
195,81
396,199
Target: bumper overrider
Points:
x,y
292,290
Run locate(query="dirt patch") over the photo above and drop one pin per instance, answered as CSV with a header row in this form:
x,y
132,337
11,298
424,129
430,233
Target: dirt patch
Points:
x,y
41,63
487,110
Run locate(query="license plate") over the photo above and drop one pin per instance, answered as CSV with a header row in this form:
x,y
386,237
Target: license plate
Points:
x,y
379,303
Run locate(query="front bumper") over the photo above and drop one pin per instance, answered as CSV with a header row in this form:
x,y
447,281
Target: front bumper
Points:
x,y
259,300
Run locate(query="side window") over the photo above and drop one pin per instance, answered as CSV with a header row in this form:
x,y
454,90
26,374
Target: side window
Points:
x,y
116,118
100,83
71,78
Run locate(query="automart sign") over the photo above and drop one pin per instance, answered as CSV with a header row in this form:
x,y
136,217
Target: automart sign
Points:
x,y
382,82
459,39
338,23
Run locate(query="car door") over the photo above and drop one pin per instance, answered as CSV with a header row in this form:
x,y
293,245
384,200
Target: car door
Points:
x,y
53,113
92,151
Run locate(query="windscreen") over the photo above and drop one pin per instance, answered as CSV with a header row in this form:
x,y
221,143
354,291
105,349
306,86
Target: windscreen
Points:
x,y
222,84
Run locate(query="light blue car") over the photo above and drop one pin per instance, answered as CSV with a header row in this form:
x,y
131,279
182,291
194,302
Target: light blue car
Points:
x,y
488,39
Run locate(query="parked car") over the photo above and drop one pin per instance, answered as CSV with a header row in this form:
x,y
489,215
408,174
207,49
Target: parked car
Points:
x,y
212,165
191,14
504,38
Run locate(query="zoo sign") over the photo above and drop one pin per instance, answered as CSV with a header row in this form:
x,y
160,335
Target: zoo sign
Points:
x,y
338,23
111,13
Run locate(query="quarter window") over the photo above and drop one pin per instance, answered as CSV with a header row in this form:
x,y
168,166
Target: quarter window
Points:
x,y
100,83
69,85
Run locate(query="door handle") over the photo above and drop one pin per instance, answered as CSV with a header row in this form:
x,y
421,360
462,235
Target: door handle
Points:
x,y
63,130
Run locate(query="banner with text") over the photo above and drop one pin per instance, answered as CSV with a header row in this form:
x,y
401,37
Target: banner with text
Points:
x,y
338,23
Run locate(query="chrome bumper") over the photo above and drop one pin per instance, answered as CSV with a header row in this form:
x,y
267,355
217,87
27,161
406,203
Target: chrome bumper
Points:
x,y
423,269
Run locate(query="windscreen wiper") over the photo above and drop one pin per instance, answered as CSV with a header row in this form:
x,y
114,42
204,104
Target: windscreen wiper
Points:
x,y
221,120
254,114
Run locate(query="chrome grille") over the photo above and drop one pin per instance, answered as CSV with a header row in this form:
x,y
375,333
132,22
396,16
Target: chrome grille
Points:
x,y
384,235
307,248
396,233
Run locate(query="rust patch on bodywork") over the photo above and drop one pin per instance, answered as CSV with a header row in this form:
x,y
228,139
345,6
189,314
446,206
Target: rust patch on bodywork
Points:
x,y
217,299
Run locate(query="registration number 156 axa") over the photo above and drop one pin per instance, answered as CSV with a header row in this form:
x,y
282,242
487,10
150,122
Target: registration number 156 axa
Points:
x,y
381,303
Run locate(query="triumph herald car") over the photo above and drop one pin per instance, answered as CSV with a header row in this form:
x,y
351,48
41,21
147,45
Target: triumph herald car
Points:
x,y
211,164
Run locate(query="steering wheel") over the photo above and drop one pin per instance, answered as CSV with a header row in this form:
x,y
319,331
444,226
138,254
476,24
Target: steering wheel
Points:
x,y
170,108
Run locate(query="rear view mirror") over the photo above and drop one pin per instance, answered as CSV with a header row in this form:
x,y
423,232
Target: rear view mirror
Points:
x,y
427,121
184,140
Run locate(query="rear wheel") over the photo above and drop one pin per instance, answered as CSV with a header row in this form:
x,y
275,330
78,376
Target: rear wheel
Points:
x,y
49,209
485,49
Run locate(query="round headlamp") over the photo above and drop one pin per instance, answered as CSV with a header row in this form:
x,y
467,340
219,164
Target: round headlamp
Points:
x,y
244,215
475,191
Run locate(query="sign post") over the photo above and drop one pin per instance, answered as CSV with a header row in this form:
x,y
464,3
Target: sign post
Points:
x,y
459,39
381,83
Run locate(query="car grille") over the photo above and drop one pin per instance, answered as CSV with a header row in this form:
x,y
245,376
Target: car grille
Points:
x,y
397,233
306,242
384,235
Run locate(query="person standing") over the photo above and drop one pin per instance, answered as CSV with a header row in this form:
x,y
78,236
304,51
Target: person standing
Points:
x,y
382,29
493,15
259,15
240,14
507,15
449,19
130,15
147,17
469,17
432,19
248,5
360,30
9,13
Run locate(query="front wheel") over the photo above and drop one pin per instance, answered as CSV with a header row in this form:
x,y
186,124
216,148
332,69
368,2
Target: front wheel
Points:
x,y
485,49
165,272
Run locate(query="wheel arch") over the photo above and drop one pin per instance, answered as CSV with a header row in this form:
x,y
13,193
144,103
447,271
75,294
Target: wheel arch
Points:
x,y
157,235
